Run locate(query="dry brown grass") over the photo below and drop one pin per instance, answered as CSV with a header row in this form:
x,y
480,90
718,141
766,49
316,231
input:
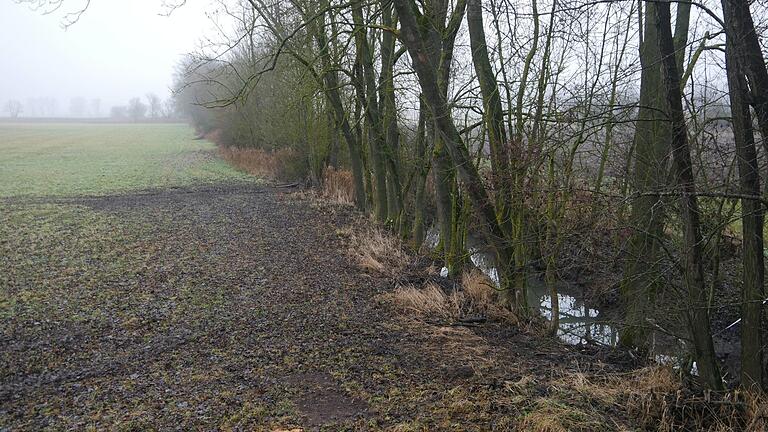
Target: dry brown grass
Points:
x,y
429,301
338,186
476,298
577,401
653,379
710,412
757,411
656,399
616,389
651,398
551,415
377,251
273,165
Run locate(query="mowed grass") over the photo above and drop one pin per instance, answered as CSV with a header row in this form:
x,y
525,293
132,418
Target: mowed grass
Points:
x,y
63,159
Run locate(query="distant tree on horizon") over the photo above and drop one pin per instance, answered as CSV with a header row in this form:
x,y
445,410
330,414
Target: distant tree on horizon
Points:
x,y
118,112
50,106
169,109
154,105
14,108
95,107
137,110
77,107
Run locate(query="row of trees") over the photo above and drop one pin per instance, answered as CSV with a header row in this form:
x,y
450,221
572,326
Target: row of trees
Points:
x,y
49,107
136,110
544,126
79,107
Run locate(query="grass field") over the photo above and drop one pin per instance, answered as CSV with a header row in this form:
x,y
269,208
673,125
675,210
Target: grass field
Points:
x,y
64,159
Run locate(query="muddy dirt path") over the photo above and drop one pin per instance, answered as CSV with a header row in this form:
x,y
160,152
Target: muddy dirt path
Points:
x,y
236,307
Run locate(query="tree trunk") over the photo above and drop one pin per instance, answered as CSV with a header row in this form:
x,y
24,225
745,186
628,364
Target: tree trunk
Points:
x,y
741,27
389,118
493,113
422,170
376,140
752,212
444,179
651,148
437,39
334,99
698,315
333,132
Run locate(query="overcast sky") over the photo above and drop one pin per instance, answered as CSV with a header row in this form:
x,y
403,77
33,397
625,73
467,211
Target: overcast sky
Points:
x,y
118,49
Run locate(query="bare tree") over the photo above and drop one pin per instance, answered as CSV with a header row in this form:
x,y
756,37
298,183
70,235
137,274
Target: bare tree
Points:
x,y
13,107
137,110
746,72
698,314
169,109
95,107
154,105
119,112
77,107
555,109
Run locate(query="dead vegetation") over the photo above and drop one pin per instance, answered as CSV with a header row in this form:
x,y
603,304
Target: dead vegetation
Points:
x,y
337,186
474,300
703,411
652,398
655,399
376,250
272,165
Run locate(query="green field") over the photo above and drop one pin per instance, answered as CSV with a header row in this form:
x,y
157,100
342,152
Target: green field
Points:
x,y
63,159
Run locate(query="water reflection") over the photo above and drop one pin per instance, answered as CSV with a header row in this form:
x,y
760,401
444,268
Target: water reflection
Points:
x,y
578,322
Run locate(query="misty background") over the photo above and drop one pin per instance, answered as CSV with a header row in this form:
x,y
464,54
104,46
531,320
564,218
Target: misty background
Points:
x,y
117,50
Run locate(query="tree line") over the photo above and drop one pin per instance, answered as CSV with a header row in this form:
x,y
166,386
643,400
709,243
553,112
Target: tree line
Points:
x,y
150,107
555,130
155,108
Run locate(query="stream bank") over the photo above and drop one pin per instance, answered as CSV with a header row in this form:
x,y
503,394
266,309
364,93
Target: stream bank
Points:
x,y
593,316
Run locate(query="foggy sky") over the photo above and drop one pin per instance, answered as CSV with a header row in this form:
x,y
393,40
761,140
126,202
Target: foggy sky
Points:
x,y
117,50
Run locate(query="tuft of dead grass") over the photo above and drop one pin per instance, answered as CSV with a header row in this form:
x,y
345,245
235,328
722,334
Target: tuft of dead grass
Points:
x,y
338,186
653,379
756,410
425,302
550,415
475,298
377,251
482,298
614,389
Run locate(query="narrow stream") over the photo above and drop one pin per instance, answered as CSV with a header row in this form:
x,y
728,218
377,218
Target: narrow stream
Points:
x,y
579,323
